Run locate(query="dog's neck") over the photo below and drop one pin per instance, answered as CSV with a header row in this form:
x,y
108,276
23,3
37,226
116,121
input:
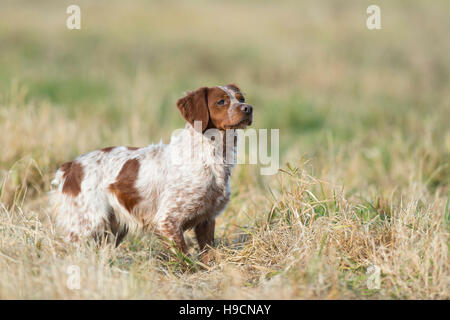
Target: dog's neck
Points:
x,y
213,147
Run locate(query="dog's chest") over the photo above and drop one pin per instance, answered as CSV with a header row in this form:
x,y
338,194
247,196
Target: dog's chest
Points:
x,y
208,196
219,187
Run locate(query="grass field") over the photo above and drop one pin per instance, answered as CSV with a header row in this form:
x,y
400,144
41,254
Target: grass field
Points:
x,y
364,119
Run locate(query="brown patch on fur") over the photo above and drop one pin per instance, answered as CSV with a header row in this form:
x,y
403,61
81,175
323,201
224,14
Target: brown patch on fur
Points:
x,y
73,174
194,107
74,237
219,115
65,167
239,96
108,149
132,148
124,187
233,87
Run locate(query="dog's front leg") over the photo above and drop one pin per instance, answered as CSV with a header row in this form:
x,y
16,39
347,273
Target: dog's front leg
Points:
x,y
204,232
170,230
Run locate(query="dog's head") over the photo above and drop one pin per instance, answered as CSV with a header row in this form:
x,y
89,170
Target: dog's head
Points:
x,y
221,107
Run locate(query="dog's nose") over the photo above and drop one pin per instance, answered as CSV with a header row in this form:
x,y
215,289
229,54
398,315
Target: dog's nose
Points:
x,y
247,109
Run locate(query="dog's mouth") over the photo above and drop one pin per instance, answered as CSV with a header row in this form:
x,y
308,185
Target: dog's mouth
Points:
x,y
241,124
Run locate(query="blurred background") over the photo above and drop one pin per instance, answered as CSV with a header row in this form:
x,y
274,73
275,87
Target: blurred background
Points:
x,y
366,110
312,69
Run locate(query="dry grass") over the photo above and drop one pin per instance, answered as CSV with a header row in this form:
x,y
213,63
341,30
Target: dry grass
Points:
x,y
364,134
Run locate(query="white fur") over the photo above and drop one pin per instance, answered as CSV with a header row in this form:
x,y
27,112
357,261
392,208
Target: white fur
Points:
x,y
173,185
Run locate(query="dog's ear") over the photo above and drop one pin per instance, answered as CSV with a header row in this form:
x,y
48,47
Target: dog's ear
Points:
x,y
194,107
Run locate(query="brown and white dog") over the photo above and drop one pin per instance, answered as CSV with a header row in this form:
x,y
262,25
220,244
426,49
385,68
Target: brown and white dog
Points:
x,y
156,188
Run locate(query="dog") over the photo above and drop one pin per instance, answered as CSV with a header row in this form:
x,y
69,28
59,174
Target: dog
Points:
x,y
116,190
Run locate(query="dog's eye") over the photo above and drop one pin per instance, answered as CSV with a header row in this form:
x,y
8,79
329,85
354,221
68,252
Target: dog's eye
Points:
x,y
221,102
242,99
